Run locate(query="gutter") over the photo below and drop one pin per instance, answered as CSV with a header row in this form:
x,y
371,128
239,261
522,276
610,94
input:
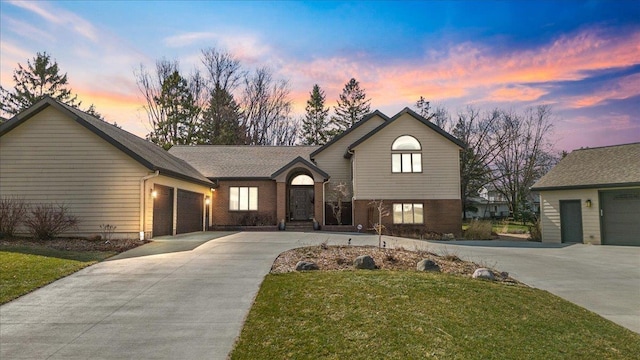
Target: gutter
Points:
x,y
143,195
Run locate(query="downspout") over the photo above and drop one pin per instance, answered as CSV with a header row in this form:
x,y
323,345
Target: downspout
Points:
x,y
353,188
143,196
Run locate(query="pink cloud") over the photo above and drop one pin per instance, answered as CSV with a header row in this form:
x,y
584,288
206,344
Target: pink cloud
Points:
x,y
624,88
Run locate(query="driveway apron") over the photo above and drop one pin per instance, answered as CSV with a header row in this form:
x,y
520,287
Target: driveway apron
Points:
x,y
192,304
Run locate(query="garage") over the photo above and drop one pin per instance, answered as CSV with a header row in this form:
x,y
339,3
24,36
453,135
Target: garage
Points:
x,y
190,211
162,210
620,212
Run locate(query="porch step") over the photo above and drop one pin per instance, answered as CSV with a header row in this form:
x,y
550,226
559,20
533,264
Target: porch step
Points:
x,y
299,226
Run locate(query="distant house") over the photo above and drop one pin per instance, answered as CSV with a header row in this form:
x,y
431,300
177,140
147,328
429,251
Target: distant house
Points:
x,y
492,204
593,196
58,154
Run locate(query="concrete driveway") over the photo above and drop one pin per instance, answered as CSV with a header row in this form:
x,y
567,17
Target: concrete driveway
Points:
x,y
191,304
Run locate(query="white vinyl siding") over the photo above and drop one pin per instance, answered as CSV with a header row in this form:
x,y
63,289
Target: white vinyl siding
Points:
x,y
51,158
439,165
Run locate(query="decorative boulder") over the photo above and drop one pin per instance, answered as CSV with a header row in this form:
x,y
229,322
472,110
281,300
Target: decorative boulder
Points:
x,y
364,262
427,265
483,273
306,265
448,236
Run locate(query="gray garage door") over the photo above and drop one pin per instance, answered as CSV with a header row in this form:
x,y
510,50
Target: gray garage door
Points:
x,y
190,211
620,217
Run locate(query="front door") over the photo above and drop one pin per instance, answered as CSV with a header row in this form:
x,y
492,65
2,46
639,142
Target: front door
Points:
x,y
301,203
571,221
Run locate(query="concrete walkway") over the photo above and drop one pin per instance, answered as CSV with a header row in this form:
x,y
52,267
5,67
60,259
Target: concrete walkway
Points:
x,y
192,304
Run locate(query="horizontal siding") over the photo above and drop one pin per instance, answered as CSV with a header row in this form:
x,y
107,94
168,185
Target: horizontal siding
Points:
x,y
550,214
440,177
332,161
51,158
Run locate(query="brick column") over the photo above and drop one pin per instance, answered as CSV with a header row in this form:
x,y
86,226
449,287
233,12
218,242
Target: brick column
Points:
x,y
318,205
281,201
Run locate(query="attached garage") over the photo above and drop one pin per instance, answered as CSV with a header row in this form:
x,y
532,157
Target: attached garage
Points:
x,y
162,210
593,196
620,212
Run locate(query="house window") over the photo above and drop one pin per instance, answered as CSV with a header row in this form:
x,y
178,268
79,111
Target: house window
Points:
x,y
243,198
408,213
406,155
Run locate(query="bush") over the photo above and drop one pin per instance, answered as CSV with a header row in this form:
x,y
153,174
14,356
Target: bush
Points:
x,y
46,221
479,230
12,213
535,231
255,219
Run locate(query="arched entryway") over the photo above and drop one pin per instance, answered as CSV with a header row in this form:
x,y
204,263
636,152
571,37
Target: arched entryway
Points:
x,y
301,197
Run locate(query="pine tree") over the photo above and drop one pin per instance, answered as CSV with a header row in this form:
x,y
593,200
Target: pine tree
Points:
x,y
40,77
179,124
352,106
221,120
315,122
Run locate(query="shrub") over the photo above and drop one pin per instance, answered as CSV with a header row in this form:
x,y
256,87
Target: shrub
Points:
x,y
46,221
535,231
479,230
255,219
12,213
107,231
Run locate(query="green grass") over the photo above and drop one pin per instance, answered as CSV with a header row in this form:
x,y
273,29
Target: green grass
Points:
x,y
25,268
410,315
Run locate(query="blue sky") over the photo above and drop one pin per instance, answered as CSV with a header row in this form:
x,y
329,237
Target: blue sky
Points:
x,y
580,57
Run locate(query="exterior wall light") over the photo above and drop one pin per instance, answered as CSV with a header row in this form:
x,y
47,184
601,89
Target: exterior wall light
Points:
x,y
588,203
154,194
207,200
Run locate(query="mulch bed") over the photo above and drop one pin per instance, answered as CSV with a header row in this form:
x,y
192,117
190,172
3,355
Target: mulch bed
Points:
x,y
340,258
76,244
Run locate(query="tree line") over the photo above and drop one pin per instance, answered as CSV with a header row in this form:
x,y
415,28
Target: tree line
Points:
x,y
228,105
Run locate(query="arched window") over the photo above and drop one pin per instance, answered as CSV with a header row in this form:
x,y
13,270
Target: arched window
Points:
x,y
302,180
406,155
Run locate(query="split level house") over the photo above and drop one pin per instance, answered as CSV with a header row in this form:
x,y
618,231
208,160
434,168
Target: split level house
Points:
x,y
55,153
592,196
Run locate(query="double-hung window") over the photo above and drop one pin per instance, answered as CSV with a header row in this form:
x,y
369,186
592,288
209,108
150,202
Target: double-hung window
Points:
x,y
408,213
406,155
243,198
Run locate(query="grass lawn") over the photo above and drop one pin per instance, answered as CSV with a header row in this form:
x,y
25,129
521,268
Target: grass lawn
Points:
x,y
26,268
411,315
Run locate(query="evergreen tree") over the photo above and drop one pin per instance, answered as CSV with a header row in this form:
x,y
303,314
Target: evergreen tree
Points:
x,y
40,77
179,123
221,120
315,122
352,106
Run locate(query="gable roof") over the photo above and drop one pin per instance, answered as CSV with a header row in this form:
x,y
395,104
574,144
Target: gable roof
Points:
x,y
146,153
603,167
304,161
349,130
240,161
415,115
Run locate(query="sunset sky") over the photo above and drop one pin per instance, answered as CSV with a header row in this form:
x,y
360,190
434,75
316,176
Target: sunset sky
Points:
x,y
580,57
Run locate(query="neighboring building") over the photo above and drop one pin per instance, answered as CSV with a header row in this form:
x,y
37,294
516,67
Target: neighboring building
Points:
x,y
105,175
490,204
593,196
54,153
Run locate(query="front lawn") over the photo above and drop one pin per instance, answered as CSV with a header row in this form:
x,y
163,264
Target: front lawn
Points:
x,y
410,315
26,265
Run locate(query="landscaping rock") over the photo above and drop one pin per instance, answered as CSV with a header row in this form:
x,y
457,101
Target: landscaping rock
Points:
x,y
483,273
427,265
306,265
364,262
448,236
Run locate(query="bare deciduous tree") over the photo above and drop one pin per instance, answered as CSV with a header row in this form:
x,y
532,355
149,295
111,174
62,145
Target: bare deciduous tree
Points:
x,y
266,110
339,193
525,155
383,211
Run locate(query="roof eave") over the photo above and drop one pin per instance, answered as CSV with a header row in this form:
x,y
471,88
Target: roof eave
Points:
x,y
585,186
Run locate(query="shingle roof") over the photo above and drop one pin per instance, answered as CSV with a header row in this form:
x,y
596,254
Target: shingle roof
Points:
x,y
610,166
148,154
242,161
